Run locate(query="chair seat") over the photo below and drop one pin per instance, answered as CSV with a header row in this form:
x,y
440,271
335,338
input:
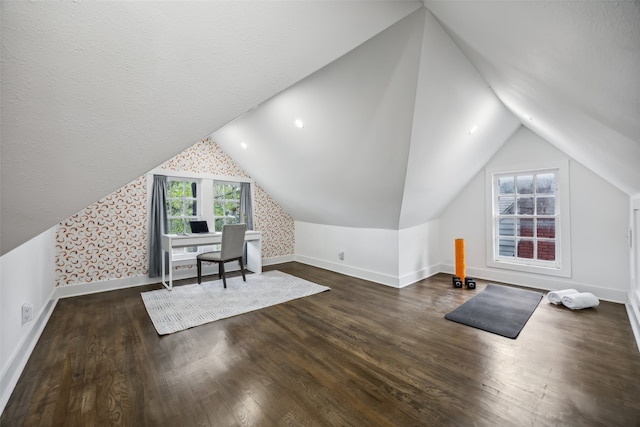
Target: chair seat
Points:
x,y
210,256
231,249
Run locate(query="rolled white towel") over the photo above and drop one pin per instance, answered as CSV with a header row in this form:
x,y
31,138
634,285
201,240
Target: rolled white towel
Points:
x,y
555,297
580,300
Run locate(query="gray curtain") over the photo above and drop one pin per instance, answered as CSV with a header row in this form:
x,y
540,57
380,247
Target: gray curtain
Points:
x,y
158,226
246,210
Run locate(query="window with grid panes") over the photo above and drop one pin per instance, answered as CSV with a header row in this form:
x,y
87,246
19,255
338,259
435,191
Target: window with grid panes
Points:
x,y
526,218
182,207
226,203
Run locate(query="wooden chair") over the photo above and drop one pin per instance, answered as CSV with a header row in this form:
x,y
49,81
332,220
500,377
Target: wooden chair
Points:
x,y
232,249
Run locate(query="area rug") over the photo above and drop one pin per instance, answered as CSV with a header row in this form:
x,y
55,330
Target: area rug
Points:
x,y
193,305
499,309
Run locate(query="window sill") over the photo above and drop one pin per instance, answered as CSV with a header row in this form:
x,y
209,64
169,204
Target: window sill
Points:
x,y
529,268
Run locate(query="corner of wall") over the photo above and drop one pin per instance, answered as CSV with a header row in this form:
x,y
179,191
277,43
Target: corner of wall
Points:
x,y
27,276
633,310
13,370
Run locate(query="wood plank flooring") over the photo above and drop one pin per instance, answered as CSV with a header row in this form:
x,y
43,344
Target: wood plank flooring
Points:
x,y
359,355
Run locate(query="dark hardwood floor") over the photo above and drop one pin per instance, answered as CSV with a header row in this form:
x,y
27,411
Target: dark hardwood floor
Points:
x,y
360,355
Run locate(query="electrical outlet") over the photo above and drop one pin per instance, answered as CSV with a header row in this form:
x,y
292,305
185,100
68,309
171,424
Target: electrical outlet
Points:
x,y
27,312
341,256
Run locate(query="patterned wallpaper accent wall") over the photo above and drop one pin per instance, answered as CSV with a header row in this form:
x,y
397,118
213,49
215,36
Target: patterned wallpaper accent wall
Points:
x,y
108,239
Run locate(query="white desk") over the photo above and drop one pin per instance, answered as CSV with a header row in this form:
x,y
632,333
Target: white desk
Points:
x,y
171,241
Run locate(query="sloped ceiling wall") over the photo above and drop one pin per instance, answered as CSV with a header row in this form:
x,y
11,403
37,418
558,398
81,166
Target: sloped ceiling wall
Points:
x,y
451,99
568,69
95,94
494,65
347,165
386,139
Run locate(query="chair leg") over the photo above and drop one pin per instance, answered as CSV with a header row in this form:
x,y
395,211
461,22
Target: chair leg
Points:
x,y
221,272
199,272
242,270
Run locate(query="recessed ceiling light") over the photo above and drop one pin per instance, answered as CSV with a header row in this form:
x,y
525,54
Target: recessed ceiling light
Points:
x,y
473,129
299,123
243,145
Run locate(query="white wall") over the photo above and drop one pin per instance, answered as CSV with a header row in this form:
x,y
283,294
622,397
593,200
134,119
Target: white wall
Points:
x,y
633,306
451,97
370,254
27,274
419,252
390,257
599,226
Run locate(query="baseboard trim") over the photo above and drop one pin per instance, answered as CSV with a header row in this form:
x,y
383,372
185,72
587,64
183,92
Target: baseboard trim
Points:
x,y
411,278
79,289
540,282
277,260
372,276
75,290
20,357
360,273
633,311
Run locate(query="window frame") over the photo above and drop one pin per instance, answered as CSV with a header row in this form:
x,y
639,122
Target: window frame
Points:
x,y
226,218
561,266
184,218
516,218
186,252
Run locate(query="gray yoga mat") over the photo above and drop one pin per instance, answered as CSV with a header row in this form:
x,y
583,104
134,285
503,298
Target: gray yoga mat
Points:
x,y
499,309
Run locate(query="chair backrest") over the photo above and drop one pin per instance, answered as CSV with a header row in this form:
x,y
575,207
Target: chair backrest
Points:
x,y
232,241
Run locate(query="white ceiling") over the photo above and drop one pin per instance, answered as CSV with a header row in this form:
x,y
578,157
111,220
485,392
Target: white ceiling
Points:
x,y
385,142
572,66
94,94
566,70
347,166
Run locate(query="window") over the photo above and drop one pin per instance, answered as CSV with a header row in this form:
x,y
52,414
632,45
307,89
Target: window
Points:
x,y
182,205
203,197
226,203
526,218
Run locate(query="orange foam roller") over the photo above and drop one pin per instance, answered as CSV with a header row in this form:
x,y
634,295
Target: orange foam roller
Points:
x,y
461,266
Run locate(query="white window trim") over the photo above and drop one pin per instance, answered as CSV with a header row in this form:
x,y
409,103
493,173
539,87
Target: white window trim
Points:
x,y
199,189
181,254
535,262
213,198
563,229
634,248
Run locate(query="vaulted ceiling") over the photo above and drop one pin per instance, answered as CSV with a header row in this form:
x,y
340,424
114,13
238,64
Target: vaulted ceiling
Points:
x,y
95,94
568,69
385,142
